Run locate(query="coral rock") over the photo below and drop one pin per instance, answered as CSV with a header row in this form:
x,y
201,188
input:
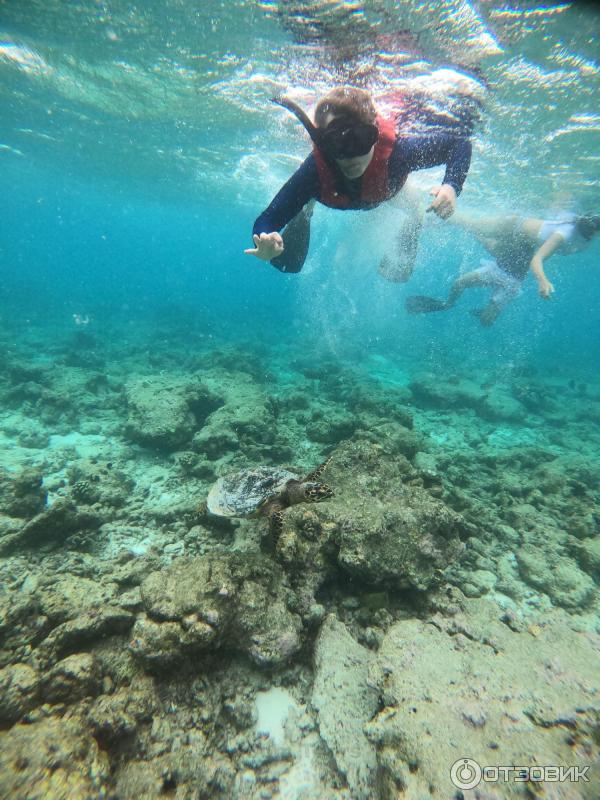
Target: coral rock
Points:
x,y
19,684
55,759
71,679
230,601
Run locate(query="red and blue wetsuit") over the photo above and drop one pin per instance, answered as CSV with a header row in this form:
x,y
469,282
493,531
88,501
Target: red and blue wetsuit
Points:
x,y
395,156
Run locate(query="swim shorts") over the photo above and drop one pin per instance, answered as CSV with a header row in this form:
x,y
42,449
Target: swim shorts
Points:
x,y
506,287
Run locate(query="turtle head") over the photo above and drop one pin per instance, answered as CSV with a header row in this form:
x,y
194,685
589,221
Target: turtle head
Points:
x,y
316,492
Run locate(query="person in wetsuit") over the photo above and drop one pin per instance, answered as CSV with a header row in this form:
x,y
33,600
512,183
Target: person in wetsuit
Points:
x,y
516,244
360,159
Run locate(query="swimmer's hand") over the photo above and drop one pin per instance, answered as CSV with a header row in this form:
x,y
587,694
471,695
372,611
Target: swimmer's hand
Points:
x,y
546,289
267,246
444,204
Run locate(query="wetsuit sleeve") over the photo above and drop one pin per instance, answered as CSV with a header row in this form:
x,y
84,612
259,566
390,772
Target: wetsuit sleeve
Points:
x,y
290,199
422,152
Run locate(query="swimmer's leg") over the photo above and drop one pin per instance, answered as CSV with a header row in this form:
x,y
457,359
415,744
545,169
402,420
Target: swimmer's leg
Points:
x,y
506,289
466,281
420,304
400,268
490,230
296,240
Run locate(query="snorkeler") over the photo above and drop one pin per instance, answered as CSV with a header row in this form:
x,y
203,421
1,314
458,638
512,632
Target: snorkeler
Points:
x,y
516,245
359,161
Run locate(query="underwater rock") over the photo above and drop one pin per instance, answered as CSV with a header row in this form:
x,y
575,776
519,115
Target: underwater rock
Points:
x,y
330,427
225,600
427,465
245,419
589,410
345,702
394,439
52,397
165,412
231,359
478,582
381,526
19,692
438,392
21,623
9,526
308,558
378,402
385,530
584,525
115,717
22,370
160,645
495,403
501,406
52,759
187,772
86,629
100,483
131,569
587,553
322,369
71,679
294,400
557,575
22,494
533,395
403,543
215,439
196,466
53,525
67,596
472,687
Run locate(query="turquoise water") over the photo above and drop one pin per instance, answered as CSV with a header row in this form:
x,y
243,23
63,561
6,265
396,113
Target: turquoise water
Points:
x,y
143,356
124,128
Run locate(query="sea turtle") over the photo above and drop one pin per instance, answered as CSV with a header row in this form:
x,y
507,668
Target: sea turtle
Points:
x,y
265,491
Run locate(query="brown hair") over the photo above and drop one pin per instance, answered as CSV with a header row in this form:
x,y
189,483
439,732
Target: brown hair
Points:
x,y
346,101
588,226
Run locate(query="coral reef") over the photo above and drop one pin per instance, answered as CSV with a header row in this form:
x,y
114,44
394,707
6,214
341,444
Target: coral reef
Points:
x,y
443,604
165,412
345,702
468,684
231,600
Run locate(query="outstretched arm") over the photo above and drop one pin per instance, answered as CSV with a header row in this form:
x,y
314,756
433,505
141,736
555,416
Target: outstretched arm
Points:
x,y
421,152
302,187
549,247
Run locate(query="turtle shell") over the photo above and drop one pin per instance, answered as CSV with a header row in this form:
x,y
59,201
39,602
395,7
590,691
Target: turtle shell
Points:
x,y
241,494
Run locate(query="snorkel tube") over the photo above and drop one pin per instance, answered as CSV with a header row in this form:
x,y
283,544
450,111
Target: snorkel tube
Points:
x,y
301,116
315,134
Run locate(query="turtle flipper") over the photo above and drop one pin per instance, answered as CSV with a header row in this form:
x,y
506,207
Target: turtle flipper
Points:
x,y
316,473
318,492
276,523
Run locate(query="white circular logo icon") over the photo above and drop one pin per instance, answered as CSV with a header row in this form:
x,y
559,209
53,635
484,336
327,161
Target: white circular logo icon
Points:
x,y
465,773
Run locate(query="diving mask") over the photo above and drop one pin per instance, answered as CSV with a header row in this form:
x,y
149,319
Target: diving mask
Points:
x,y
342,138
345,139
